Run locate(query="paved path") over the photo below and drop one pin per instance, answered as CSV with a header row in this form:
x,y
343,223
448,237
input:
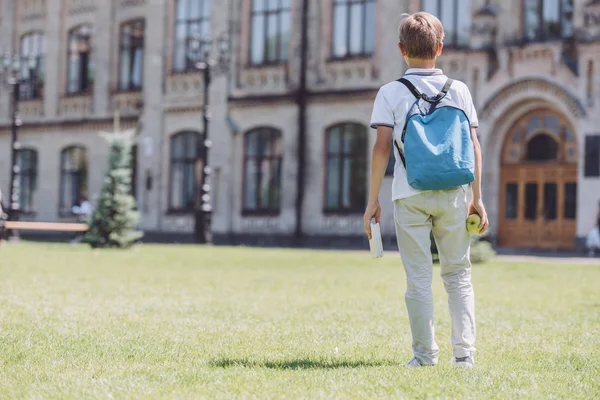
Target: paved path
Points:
x,y
550,259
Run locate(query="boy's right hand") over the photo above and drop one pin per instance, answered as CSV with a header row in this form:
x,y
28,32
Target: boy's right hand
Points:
x,y
373,211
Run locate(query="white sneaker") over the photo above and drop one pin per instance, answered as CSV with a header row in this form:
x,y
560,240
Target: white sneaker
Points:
x,y
463,362
415,363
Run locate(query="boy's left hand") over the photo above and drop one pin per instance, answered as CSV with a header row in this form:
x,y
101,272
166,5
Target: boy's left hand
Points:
x,y
373,211
477,207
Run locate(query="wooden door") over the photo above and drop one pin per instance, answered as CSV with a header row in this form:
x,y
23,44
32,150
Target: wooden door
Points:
x,y
538,193
538,206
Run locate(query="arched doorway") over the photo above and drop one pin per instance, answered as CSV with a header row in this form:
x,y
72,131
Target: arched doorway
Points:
x,y
538,193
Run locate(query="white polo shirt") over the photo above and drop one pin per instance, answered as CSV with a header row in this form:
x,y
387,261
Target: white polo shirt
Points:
x,y
391,106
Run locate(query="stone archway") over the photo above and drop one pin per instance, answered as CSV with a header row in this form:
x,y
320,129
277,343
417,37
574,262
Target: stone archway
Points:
x,y
500,113
538,183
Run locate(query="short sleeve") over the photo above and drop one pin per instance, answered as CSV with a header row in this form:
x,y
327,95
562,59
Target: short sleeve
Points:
x,y
469,108
383,115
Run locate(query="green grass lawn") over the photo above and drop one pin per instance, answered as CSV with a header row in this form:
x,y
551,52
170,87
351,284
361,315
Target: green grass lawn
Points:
x,y
192,322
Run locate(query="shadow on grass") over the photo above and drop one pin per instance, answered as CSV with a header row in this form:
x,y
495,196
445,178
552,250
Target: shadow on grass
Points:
x,y
297,364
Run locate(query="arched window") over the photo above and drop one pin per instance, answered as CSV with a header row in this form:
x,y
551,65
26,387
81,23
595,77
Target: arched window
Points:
x,y
346,168
542,147
80,71
456,18
263,154
353,28
271,28
131,59
33,49
192,18
27,161
184,157
73,178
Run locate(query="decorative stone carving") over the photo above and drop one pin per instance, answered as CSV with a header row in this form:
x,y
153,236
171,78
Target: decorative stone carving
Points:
x,y
76,106
340,73
484,27
264,79
591,20
533,85
81,6
190,83
31,109
128,103
130,3
31,10
544,58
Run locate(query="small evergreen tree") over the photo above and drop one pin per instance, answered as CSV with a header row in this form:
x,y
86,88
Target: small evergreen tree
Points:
x,y
114,221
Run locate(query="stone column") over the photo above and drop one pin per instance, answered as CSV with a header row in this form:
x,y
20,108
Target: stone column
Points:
x,y
152,138
101,56
54,62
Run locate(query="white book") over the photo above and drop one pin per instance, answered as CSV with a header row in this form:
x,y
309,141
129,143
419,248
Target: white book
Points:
x,y
375,243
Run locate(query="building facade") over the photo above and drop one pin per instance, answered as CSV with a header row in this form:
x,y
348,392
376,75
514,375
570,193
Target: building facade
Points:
x,y
289,120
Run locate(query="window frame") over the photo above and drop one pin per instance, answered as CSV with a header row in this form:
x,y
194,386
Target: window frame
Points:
x,y
80,173
184,160
349,54
83,88
271,156
541,34
135,44
190,65
37,82
265,13
452,42
589,169
347,129
32,173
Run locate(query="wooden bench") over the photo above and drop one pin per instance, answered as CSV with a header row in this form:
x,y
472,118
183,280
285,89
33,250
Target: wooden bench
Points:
x,y
45,226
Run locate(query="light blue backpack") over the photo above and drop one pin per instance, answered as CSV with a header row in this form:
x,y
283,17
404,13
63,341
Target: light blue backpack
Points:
x,y
438,149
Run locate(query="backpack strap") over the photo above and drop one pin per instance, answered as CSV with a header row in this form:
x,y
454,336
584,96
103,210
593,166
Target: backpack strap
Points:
x,y
423,96
444,91
400,153
411,87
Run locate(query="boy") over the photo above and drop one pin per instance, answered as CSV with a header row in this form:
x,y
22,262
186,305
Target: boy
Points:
x,y
417,213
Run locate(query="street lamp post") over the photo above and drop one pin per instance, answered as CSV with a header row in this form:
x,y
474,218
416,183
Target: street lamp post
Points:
x,y
211,63
13,71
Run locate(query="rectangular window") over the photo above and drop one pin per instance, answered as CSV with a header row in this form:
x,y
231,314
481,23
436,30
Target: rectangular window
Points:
x,y
270,33
80,73
456,18
531,201
192,24
73,178
550,201
263,155
547,19
592,156
512,201
346,168
33,48
570,200
353,28
131,70
27,161
184,164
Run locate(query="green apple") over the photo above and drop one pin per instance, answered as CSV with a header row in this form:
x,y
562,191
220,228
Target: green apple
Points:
x,y
473,223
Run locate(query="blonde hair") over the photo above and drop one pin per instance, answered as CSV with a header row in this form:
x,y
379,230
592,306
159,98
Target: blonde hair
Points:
x,y
421,35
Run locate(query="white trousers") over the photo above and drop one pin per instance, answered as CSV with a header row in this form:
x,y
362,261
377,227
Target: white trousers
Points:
x,y
444,213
